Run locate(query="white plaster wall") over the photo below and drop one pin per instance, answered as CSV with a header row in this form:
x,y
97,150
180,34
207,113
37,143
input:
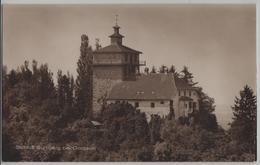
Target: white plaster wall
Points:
x,y
180,109
145,106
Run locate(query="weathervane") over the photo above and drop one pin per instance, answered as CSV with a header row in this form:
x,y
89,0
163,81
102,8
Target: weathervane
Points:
x,y
116,19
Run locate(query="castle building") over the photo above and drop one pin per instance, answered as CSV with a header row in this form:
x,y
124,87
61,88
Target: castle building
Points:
x,y
117,78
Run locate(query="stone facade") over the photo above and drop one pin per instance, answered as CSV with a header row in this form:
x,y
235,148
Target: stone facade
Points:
x,y
101,89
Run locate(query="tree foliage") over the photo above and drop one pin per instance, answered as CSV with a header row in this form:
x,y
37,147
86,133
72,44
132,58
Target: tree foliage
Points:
x,y
84,82
38,112
153,70
205,117
126,127
163,69
243,127
187,76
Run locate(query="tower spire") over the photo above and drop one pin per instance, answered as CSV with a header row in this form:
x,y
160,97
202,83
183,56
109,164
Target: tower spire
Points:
x,y
116,38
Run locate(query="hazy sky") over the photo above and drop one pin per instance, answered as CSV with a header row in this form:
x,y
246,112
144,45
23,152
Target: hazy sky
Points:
x,y
216,42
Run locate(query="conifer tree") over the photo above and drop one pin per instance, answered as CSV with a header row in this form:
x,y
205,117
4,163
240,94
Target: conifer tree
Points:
x,y
60,92
243,127
26,72
64,90
173,71
83,86
97,44
187,76
204,116
163,69
153,69
12,78
46,84
146,70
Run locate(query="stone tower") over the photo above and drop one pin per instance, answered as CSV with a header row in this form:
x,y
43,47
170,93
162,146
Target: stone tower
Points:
x,y
111,65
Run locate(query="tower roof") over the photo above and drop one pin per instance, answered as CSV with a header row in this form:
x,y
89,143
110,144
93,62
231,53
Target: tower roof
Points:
x,y
116,32
116,45
115,48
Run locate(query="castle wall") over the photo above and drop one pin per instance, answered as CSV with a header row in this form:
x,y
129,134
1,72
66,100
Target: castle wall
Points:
x,y
104,80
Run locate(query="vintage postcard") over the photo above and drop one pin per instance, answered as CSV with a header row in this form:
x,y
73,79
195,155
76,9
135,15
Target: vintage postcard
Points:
x,y
129,83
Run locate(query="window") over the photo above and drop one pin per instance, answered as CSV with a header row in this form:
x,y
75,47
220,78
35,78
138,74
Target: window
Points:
x,y
190,93
186,105
136,104
194,105
190,105
162,102
179,92
152,105
184,92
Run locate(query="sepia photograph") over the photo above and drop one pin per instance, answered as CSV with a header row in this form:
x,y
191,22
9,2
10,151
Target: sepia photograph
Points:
x,y
129,83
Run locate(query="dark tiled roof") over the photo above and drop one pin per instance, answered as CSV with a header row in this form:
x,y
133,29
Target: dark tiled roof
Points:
x,y
115,48
146,87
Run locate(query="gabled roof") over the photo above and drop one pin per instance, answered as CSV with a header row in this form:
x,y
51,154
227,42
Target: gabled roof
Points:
x,y
146,87
117,48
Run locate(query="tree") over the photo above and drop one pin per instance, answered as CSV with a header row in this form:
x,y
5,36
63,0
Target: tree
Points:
x,y
65,89
153,69
243,127
126,128
204,117
187,76
70,91
84,82
11,79
173,71
98,46
146,70
26,72
163,69
10,153
155,127
46,84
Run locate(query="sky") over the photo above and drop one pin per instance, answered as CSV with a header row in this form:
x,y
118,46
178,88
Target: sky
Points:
x,y
216,42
